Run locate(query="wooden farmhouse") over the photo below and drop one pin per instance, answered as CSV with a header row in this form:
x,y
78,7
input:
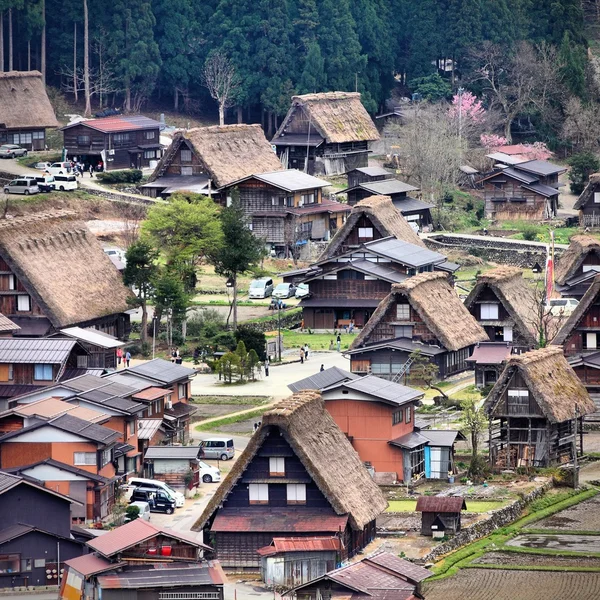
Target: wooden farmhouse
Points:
x,y
588,203
25,110
378,417
505,305
298,477
172,464
367,175
440,515
379,576
578,266
422,313
119,142
527,190
54,274
536,411
139,560
35,533
325,134
488,360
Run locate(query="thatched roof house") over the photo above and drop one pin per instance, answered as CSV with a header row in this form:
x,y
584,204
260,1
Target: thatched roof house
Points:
x,y
222,154
576,256
337,490
24,109
60,264
517,313
331,130
539,395
587,195
378,214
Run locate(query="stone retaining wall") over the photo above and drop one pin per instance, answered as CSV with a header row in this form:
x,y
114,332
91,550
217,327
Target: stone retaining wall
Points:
x,y
499,518
287,321
496,250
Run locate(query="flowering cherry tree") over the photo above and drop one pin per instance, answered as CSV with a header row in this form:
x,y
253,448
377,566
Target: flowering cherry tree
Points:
x,y
468,106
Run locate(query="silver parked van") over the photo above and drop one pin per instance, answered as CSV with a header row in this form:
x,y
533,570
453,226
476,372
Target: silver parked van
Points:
x,y
261,288
221,448
22,186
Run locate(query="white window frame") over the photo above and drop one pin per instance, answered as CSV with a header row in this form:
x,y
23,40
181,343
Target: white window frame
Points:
x,y
596,197
489,311
12,282
20,299
296,493
365,233
186,155
277,466
106,456
258,493
507,333
403,312
87,459
518,394
187,171
182,391
404,331
591,340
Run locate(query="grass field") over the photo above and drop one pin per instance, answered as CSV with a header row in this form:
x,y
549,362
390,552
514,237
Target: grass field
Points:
x,y
316,341
472,506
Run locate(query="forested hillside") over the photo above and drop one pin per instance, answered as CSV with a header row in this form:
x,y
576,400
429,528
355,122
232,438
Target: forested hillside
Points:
x,y
142,50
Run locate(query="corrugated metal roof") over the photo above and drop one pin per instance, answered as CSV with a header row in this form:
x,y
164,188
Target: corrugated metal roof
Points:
x,y
404,568
326,206
387,187
173,452
63,467
8,481
543,190
162,370
298,139
292,180
407,205
409,441
374,171
340,302
118,123
32,326
7,325
541,167
322,380
147,428
408,254
381,270
54,407
442,504
89,564
303,544
507,159
93,336
440,437
278,520
405,344
171,576
180,410
41,351
388,391
490,353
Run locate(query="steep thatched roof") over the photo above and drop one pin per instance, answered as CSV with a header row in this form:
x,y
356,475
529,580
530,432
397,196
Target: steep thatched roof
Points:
x,y
581,309
552,382
338,116
63,267
432,296
516,295
588,192
386,218
24,102
579,247
324,451
232,152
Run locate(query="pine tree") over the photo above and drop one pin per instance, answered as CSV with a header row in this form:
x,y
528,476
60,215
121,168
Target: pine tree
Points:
x,y
573,59
313,78
499,24
306,21
463,28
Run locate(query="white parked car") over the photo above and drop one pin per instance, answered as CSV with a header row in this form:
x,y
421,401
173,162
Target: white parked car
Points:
x,y
208,474
562,306
59,168
42,166
302,290
11,151
117,253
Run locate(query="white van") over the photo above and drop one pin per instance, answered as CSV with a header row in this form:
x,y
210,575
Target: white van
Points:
x,y
221,448
59,168
65,183
158,485
261,288
22,186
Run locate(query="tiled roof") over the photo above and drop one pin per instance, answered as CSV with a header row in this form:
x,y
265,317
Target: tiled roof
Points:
x,y
161,370
151,393
278,520
322,379
21,350
118,123
165,576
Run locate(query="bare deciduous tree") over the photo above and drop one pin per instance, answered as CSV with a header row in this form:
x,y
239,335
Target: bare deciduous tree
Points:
x,y
581,125
544,322
132,216
101,81
86,61
221,80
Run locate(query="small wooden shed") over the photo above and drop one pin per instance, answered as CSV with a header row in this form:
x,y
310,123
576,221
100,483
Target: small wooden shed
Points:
x,y
440,513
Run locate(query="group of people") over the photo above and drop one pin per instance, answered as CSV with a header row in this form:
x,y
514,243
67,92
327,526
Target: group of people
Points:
x,y
79,168
175,356
124,358
304,352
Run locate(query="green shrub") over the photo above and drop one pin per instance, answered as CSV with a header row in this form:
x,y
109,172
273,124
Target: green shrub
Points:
x,y
127,176
529,233
132,513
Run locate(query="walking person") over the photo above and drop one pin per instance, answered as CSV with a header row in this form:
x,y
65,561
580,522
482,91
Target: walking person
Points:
x,y
267,366
92,171
306,351
301,355
338,342
322,368
119,356
127,359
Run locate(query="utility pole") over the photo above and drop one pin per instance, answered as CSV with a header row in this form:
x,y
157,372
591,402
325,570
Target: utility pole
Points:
x,y
460,95
279,328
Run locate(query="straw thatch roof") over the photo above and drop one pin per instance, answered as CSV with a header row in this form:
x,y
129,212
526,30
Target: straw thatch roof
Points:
x,y
552,382
386,219
579,313
588,192
432,296
515,294
232,152
579,247
63,267
24,102
325,452
338,116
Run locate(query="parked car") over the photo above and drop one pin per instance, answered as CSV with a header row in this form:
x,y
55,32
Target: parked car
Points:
x,y
302,290
11,151
42,166
144,511
261,288
284,290
218,447
66,182
157,485
59,168
44,182
209,474
159,501
562,306
21,186
117,252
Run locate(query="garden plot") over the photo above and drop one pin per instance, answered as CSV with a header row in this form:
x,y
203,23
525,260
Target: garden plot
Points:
x,y
564,543
518,559
502,584
581,517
